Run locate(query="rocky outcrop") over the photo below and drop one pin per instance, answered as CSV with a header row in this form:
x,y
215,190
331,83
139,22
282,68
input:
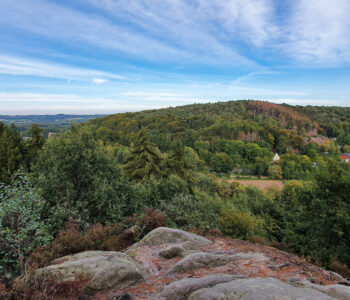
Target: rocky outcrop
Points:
x,y
180,290
257,288
201,260
169,264
164,235
105,270
173,251
337,291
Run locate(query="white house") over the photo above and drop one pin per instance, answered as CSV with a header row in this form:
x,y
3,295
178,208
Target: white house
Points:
x,y
276,158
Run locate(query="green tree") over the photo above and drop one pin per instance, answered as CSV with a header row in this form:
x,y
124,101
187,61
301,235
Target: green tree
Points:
x,y
221,163
261,165
21,228
34,144
11,152
318,222
281,143
80,181
144,161
239,224
275,172
177,163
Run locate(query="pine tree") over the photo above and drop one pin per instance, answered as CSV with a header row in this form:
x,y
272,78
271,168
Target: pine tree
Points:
x,y
11,152
144,161
179,165
34,144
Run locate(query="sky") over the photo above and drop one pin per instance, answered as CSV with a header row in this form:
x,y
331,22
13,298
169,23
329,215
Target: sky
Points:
x,y
110,56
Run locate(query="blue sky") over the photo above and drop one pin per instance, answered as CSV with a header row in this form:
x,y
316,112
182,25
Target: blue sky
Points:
x,y
109,56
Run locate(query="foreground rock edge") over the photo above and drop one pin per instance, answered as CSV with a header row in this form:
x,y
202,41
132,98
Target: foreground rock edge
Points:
x,y
106,270
111,270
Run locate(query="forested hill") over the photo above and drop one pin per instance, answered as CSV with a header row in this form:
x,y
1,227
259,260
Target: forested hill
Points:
x,y
333,119
249,121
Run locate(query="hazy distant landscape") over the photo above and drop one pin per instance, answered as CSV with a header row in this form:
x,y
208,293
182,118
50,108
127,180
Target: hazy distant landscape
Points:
x,y
61,119
48,123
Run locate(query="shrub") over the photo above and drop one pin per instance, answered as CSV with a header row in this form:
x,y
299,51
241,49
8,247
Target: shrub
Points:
x,y
340,268
275,172
197,231
34,289
199,211
213,232
152,219
71,241
280,246
3,291
238,224
256,239
21,229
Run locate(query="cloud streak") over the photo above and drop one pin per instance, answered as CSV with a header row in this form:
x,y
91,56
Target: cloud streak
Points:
x,y
318,32
20,66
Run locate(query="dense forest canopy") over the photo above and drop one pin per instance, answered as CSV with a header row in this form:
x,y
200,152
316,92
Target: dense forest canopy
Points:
x,y
179,167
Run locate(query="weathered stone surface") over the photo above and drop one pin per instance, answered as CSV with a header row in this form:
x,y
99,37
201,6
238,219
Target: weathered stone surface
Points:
x,y
173,251
107,270
115,275
179,290
200,260
337,291
163,235
257,289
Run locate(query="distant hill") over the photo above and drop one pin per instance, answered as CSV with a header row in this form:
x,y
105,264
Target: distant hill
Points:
x,y
245,120
234,120
49,123
45,119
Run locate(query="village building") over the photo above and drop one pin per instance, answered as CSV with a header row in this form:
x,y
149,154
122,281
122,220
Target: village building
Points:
x,y
345,157
276,158
50,134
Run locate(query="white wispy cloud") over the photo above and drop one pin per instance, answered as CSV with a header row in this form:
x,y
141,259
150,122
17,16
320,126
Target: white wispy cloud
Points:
x,y
21,66
243,78
318,32
29,103
310,31
174,31
251,20
194,32
99,81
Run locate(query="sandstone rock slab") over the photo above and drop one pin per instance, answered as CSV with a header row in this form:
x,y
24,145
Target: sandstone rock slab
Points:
x,y
179,290
199,260
173,251
257,289
164,235
107,270
337,291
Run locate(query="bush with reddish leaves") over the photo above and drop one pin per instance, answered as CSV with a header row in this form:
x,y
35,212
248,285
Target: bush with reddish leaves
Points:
x,y
280,246
34,289
97,237
71,241
147,221
340,268
213,232
152,219
3,291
